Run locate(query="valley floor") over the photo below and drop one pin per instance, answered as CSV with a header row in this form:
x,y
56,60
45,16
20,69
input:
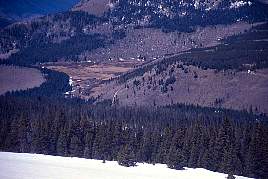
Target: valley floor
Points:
x,y
37,166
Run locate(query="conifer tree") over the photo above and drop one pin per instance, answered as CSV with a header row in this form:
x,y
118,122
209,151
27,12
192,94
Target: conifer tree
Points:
x,y
223,145
88,145
258,156
175,158
126,156
62,143
22,133
230,176
75,148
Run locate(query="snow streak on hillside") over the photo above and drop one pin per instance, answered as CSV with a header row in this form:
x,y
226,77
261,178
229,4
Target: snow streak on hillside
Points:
x,y
36,166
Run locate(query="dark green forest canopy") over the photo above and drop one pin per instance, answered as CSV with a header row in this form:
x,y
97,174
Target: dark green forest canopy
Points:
x,y
219,140
51,52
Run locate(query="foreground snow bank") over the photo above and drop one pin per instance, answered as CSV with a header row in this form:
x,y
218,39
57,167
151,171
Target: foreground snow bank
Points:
x,y
36,166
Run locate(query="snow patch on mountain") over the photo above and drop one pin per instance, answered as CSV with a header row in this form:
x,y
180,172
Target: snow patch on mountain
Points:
x,y
239,4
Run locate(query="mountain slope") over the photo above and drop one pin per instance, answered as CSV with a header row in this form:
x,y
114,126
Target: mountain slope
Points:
x,y
231,75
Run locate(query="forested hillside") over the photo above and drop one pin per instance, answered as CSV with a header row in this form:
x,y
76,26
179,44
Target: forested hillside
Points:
x,y
235,52
50,38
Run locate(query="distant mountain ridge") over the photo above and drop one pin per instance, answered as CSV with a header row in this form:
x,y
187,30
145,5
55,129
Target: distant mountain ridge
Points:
x,y
4,22
167,15
15,9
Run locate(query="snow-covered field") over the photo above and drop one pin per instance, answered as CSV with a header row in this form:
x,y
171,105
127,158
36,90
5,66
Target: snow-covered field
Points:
x,y
36,166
